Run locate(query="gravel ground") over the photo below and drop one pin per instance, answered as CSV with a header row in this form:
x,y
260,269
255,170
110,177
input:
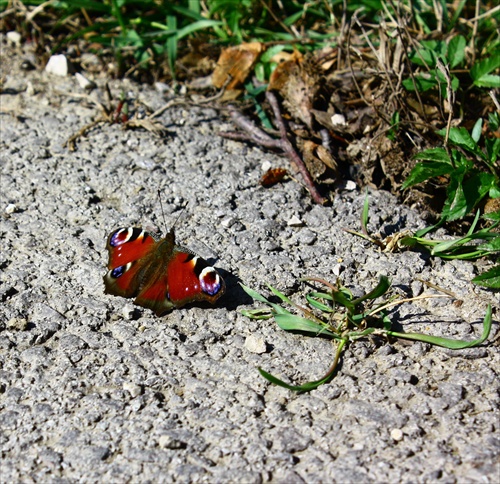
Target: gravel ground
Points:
x,y
95,389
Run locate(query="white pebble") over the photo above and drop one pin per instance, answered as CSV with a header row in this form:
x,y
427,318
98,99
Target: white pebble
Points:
x,y
10,208
57,65
255,344
129,311
349,185
397,435
162,88
295,222
266,165
338,120
84,82
168,442
14,37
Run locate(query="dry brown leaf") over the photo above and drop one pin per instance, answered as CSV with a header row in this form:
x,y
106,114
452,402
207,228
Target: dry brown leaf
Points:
x,y
430,111
492,205
197,62
298,81
236,62
324,118
325,156
273,176
284,56
317,159
150,125
284,69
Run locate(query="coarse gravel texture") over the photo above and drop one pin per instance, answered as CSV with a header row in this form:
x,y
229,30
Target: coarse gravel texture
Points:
x,y
95,389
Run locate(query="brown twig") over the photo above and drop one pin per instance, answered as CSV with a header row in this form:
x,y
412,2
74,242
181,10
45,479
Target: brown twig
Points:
x,y
290,151
70,143
187,102
258,136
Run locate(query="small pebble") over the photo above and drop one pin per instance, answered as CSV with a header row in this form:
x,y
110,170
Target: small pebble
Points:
x,y
348,185
129,312
30,89
19,324
162,88
10,208
228,222
84,82
266,165
27,65
255,344
397,435
338,120
57,65
14,37
295,222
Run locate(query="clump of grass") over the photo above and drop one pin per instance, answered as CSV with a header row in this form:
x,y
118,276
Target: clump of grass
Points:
x,y
475,244
336,314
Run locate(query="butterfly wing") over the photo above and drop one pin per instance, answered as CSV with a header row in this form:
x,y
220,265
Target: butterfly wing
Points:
x,y
186,278
190,278
129,249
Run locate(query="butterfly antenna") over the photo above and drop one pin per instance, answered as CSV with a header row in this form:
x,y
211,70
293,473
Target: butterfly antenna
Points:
x,y
180,213
162,211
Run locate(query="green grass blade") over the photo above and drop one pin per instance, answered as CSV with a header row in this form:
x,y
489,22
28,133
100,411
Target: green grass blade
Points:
x,y
457,13
432,228
258,314
313,300
171,44
340,298
254,294
473,226
452,344
115,9
277,309
490,278
291,322
365,214
306,387
384,283
281,295
456,246
195,26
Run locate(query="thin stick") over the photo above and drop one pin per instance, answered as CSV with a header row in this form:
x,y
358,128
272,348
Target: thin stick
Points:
x,y
288,148
474,31
450,94
258,136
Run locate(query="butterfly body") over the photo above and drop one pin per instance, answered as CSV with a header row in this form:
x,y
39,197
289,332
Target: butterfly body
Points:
x,y
158,273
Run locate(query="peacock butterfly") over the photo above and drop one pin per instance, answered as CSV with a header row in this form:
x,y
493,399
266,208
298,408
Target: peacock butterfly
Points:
x,y
157,272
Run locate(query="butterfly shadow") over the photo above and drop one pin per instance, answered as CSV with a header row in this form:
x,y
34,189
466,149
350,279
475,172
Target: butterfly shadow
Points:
x,y
234,296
